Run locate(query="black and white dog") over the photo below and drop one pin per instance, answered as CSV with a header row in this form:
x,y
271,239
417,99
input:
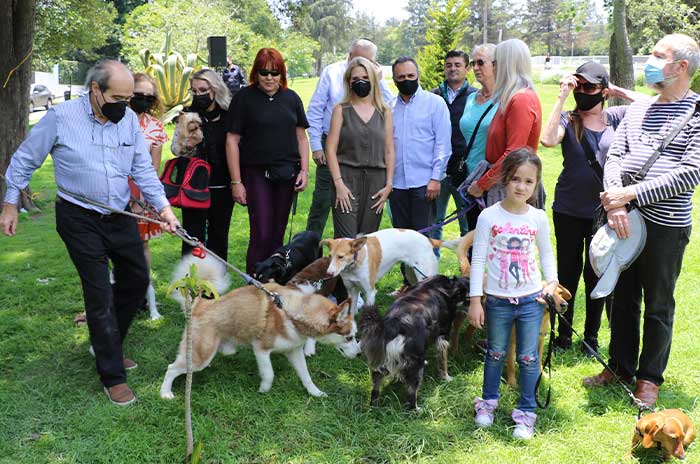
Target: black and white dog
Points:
x,y
289,259
395,345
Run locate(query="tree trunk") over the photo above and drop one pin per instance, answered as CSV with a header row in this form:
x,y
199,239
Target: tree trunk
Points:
x,y
621,66
16,38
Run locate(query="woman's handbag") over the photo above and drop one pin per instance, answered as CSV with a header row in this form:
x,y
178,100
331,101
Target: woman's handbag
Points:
x,y
456,169
282,173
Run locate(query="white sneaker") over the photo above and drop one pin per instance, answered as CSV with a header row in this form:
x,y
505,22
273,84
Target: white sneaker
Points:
x,y
484,410
524,424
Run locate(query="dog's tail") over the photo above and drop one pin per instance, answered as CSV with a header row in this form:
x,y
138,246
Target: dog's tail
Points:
x,y
208,268
461,246
371,328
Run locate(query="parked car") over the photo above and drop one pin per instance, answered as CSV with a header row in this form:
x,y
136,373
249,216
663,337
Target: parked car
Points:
x,y
39,95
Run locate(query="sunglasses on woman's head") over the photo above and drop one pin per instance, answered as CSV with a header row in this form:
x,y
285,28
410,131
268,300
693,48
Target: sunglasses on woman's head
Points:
x,y
478,62
268,72
148,98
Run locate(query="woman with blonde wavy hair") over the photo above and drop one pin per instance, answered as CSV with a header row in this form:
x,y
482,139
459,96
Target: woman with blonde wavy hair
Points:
x,y
518,121
360,152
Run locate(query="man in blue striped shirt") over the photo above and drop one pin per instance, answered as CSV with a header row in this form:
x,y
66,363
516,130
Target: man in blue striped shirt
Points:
x,y
664,198
96,144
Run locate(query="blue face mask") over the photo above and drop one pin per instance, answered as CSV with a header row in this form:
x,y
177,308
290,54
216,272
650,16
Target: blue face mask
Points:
x,y
654,70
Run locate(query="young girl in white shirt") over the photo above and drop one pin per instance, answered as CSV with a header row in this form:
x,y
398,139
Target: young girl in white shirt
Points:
x,y
513,286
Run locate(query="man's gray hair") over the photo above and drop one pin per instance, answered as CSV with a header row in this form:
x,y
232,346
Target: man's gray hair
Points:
x,y
101,72
684,48
366,44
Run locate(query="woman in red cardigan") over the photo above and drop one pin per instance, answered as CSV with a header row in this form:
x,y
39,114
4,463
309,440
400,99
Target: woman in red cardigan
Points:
x,y
518,120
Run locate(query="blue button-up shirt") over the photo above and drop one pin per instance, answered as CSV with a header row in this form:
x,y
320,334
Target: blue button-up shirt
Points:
x,y
90,158
422,139
329,92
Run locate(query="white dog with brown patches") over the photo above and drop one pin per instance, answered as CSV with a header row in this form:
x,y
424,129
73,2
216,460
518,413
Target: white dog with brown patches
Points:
x,y
361,262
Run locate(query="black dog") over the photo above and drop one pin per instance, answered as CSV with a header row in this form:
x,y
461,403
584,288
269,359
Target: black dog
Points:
x,y
289,259
395,345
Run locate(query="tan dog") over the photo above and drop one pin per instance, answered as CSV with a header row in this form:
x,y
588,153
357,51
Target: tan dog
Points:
x,y
461,247
246,316
671,429
187,132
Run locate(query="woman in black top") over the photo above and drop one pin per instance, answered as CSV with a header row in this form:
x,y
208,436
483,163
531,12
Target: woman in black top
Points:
x,y
268,152
210,99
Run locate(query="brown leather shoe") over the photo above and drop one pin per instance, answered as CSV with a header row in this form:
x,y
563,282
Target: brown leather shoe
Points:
x,y
121,394
130,364
647,392
604,378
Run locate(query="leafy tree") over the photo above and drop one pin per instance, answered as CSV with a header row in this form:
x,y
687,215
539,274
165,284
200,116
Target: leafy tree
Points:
x,y
650,20
391,42
417,26
541,26
298,52
62,26
146,26
446,29
257,15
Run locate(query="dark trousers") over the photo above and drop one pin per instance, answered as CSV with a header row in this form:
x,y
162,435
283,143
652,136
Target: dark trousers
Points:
x,y
321,201
211,225
92,241
574,236
654,275
269,204
410,209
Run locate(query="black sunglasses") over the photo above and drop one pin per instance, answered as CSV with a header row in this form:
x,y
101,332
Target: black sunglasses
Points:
x,y
148,98
479,62
587,87
268,72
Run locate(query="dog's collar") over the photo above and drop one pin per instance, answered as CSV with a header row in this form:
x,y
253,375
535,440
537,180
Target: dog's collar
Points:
x,y
285,257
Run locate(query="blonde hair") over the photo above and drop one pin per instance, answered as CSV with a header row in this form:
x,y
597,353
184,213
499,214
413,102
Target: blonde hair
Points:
x,y
156,110
513,71
221,92
375,93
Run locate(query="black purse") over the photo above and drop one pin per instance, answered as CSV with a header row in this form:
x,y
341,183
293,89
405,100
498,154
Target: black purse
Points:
x,y
456,170
282,173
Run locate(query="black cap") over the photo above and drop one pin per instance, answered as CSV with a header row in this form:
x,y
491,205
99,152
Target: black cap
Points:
x,y
593,72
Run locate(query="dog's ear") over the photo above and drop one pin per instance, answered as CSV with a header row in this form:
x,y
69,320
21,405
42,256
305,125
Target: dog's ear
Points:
x,y
358,243
649,431
326,241
344,308
674,429
563,292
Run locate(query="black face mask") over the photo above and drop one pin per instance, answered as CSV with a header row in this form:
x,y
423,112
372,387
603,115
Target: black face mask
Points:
x,y
114,111
200,103
140,104
407,87
361,87
585,101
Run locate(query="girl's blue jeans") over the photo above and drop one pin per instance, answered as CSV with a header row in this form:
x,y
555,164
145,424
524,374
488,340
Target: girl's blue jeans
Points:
x,y
527,314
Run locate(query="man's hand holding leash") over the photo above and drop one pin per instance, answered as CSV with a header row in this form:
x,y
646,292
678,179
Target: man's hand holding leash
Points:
x,y
172,224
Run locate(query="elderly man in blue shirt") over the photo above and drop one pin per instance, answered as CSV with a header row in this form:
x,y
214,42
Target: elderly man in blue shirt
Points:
x,y
422,140
329,92
96,144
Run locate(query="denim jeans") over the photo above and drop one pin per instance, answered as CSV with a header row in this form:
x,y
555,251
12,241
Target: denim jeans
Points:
x,y
447,190
526,313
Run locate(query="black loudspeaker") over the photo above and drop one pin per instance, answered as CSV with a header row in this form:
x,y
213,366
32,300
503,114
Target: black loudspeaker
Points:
x,y
217,51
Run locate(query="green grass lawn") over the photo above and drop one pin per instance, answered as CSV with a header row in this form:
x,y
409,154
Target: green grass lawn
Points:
x,y
53,410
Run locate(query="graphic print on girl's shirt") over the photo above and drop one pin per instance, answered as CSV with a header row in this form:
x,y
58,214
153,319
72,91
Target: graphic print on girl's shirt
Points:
x,y
510,250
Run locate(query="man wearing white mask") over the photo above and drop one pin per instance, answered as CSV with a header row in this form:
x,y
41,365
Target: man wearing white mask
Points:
x,y
663,194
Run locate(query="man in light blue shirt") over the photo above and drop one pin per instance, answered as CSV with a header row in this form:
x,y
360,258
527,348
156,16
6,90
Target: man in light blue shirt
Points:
x,y
422,141
96,144
329,92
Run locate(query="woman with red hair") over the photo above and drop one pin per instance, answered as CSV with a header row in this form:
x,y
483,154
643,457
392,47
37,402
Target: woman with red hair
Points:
x,y
267,151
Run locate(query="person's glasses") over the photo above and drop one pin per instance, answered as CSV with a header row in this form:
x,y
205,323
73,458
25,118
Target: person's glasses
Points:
x,y
587,87
199,91
143,96
478,62
268,72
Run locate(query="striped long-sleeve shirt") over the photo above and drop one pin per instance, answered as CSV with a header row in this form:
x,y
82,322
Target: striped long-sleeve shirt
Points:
x,y
665,194
91,159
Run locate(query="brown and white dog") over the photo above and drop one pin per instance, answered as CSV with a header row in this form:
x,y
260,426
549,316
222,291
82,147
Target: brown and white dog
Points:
x,y
670,429
189,127
246,316
361,262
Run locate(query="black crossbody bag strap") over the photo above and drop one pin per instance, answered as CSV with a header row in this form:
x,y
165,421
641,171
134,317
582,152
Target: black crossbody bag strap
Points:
x,y
641,174
590,157
476,129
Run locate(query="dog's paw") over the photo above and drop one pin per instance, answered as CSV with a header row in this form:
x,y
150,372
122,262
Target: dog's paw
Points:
x,y
310,347
318,393
167,395
264,388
